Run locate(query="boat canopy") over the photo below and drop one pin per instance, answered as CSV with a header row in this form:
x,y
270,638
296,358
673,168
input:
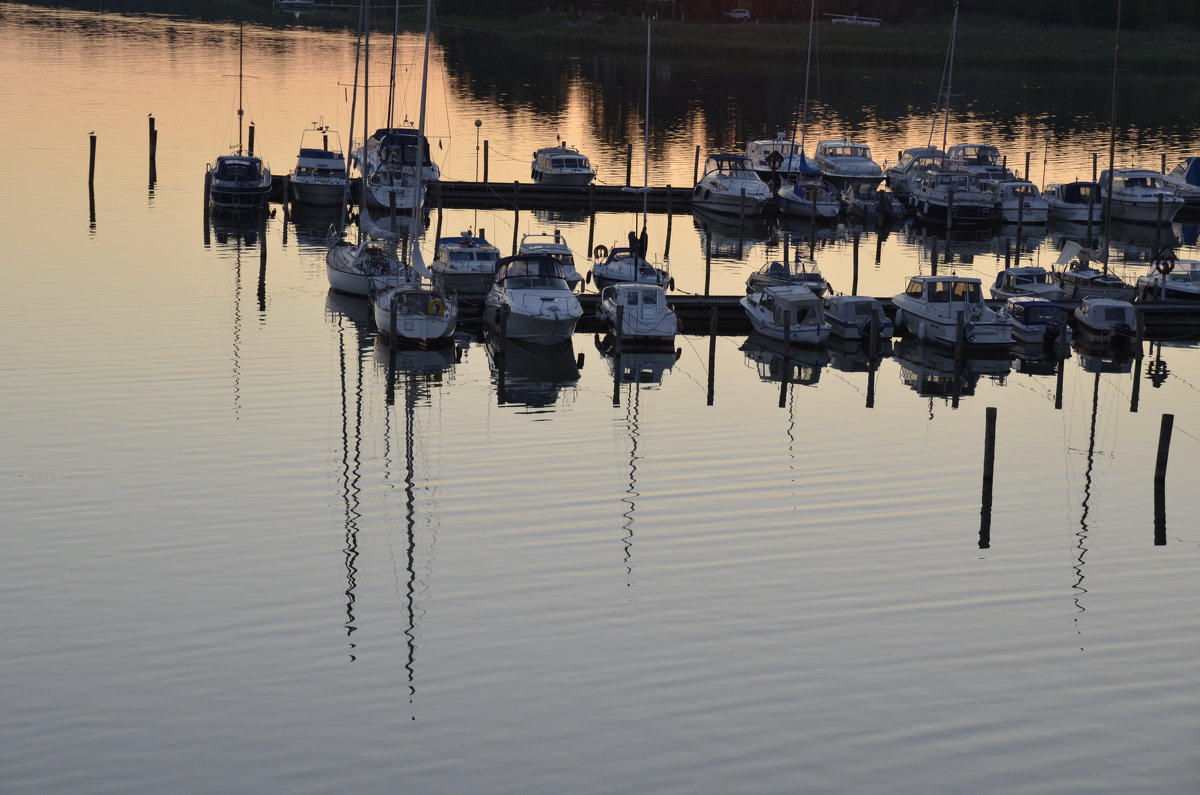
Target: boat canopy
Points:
x,y
238,168
320,154
1036,311
531,270
1078,192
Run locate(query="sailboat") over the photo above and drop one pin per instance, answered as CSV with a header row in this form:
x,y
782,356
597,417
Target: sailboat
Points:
x,y
239,181
409,306
629,264
804,192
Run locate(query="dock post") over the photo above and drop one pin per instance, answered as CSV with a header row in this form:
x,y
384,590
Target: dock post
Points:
x,y
1162,169
438,231
1007,256
92,160
989,464
1158,222
960,336
696,166
667,242
949,214
516,213
1020,227
878,248
707,258
1160,480
786,239
628,163
1137,363
854,287
1095,160
933,257
1060,350
250,140
1026,174
153,154
262,262
712,352
742,214
485,161
872,358
502,369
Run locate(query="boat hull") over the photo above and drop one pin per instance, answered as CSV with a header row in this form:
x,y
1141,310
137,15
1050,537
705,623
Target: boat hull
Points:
x,y
318,194
536,329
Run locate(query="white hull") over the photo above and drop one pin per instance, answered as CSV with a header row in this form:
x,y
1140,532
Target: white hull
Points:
x,y
538,329
352,274
798,333
729,203
1144,212
559,178
320,194
790,204
428,324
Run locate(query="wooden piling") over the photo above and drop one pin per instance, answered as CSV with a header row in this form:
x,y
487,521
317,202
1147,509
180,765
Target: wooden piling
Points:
x,y
485,161
989,464
516,213
438,231
1160,479
391,341
854,286
250,140
707,259
667,241
1137,364
92,158
628,164
618,347
712,351
1026,174
696,167
262,262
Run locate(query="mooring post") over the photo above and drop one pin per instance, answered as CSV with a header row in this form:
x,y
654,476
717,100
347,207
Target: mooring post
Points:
x,y
92,158
628,164
872,357
933,258
960,336
989,463
485,161
1026,174
503,357
854,286
712,352
949,213
1163,164
153,154
516,213
786,239
1060,350
1137,362
696,167
707,258
1095,161
391,341
262,262
878,248
741,213
1158,233
667,242
1020,226
250,140
618,346
1160,480
438,231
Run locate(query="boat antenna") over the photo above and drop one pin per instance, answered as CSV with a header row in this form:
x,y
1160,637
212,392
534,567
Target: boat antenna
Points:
x,y
1112,139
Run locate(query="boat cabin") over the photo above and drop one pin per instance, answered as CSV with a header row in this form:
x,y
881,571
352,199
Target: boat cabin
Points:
x,y
1032,311
1135,180
1022,279
531,272
945,290
1075,192
467,251
838,149
727,165
561,158
799,304
238,168
320,163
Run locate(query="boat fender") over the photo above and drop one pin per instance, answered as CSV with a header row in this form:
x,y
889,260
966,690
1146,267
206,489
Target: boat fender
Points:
x,y
671,283
969,332
899,321
696,191
600,251
436,306
921,331
588,278
707,195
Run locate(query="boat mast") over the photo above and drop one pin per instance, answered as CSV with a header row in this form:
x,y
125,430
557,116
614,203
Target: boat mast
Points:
x,y
366,6
1112,140
240,112
812,12
353,108
392,78
419,166
950,74
646,135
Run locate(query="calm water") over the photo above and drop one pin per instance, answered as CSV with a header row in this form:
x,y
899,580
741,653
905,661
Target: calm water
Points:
x,y
231,564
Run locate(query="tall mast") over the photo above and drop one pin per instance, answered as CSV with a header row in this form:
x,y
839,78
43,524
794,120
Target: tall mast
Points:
x,y
812,12
392,77
353,108
419,182
366,92
1112,141
646,134
950,74
241,22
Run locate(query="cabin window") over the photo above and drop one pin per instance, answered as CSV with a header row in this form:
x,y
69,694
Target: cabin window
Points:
x,y
631,298
913,290
968,292
1115,314
862,309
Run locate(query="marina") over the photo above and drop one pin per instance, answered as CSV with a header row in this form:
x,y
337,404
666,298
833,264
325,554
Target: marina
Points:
x,y
264,536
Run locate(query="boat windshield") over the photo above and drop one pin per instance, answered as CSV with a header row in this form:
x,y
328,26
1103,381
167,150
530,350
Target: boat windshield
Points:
x,y
542,273
641,297
955,291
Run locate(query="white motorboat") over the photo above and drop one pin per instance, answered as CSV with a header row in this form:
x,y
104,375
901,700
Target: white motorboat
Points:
x,y
1170,279
850,317
779,159
950,309
1025,280
793,314
799,272
902,176
870,203
1184,180
320,177
465,264
809,197
1138,195
730,186
561,165
530,300
1073,201
982,160
554,245
846,163
1038,321
413,311
1019,201
239,181
1106,321
938,193
638,314
626,264
350,267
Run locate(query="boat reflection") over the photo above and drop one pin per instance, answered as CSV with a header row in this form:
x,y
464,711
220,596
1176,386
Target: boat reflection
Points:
x,y
776,362
235,228
933,372
1031,358
727,238
636,366
531,375
959,245
854,356
1104,358
315,227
